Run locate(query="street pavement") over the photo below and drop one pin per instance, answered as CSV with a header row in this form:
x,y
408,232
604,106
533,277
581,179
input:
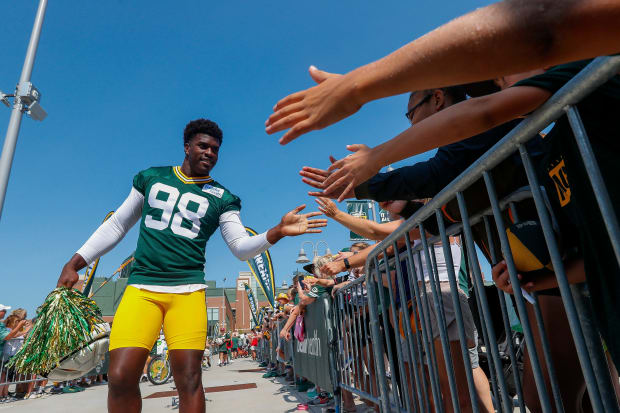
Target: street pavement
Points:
x,y
259,395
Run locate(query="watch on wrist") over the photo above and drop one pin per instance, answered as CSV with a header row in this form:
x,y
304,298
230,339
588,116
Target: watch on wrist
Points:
x,y
346,264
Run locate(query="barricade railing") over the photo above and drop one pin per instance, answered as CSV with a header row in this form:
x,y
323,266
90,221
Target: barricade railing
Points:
x,y
422,329
13,382
355,366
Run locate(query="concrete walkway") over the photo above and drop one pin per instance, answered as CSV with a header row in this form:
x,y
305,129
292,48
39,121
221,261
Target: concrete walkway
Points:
x,y
259,395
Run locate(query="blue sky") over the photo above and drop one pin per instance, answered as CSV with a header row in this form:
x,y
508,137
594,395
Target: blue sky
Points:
x,y
121,79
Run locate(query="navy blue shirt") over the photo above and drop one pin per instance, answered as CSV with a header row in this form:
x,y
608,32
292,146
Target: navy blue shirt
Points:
x,y
426,179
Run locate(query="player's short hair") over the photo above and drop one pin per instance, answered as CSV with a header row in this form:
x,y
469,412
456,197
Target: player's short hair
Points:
x,y
202,126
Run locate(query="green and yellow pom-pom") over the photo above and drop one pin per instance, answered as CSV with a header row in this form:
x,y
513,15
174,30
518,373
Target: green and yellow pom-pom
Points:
x,y
64,324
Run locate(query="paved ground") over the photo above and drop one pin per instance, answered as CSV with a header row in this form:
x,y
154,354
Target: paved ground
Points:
x,y
269,395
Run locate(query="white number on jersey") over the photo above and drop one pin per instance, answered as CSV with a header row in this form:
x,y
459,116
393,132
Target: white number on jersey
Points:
x,y
168,206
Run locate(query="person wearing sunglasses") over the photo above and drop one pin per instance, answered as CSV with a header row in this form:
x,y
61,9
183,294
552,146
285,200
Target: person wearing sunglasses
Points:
x,y
423,179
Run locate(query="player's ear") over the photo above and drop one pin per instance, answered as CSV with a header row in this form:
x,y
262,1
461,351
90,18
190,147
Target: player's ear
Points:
x,y
186,148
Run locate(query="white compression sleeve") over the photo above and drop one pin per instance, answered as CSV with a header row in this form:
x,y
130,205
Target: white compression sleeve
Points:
x,y
241,244
114,229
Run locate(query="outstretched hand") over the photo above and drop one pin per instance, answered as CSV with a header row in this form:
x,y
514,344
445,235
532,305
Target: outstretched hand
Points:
x,y
294,223
333,268
332,100
341,178
316,177
327,207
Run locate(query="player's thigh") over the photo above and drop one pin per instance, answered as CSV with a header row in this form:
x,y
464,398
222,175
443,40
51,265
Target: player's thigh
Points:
x,y
185,321
138,320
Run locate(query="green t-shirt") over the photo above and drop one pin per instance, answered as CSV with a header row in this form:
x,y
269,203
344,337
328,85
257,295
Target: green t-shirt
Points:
x,y
178,217
235,343
4,331
317,290
568,187
225,339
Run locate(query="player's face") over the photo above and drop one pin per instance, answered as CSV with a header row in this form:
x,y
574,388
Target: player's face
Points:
x,y
202,151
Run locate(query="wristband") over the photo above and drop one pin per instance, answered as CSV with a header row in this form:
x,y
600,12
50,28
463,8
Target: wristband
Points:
x,y
346,264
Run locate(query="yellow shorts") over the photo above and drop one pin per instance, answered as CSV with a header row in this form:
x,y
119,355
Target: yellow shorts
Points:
x,y
141,313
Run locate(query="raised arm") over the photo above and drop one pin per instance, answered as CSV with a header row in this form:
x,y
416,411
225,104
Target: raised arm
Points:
x,y
511,36
243,246
364,227
455,123
106,237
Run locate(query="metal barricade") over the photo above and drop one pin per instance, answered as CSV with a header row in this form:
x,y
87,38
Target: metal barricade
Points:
x,y
355,367
421,353
15,383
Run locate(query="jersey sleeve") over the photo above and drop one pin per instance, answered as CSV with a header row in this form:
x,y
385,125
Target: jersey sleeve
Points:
x,y
233,204
139,182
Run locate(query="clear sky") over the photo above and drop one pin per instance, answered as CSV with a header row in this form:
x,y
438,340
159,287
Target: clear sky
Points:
x,y
120,79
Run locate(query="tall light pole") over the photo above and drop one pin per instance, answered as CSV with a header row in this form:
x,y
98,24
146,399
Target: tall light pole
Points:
x,y
26,99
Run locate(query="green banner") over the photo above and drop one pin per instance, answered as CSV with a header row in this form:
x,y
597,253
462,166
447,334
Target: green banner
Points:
x,y
261,315
313,356
262,269
359,209
252,302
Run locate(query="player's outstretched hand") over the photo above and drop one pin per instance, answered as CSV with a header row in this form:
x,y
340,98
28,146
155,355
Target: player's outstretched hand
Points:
x,y
294,223
332,100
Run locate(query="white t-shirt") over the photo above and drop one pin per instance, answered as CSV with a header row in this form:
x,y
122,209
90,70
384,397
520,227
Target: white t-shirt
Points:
x,y
442,269
12,346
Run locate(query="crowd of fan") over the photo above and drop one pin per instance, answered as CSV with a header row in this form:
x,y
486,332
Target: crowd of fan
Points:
x,y
464,122
18,386
13,330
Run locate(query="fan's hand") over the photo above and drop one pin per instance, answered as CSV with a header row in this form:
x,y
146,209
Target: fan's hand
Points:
x,y
327,207
333,268
350,172
316,178
333,99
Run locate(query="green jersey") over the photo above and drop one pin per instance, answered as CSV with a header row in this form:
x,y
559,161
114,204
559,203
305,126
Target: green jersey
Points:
x,y
179,215
318,290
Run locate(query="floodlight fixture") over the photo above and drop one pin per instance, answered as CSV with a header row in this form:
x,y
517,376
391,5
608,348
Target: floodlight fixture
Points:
x,y
4,98
36,112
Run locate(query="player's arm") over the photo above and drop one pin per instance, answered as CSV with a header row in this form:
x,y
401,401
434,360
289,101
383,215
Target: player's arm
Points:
x,y
105,238
455,123
244,246
507,37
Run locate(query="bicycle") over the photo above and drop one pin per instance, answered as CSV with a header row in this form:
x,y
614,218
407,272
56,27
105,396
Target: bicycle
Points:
x,y
158,370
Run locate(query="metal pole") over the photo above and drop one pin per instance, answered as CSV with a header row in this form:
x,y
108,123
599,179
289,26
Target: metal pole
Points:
x,y
10,141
